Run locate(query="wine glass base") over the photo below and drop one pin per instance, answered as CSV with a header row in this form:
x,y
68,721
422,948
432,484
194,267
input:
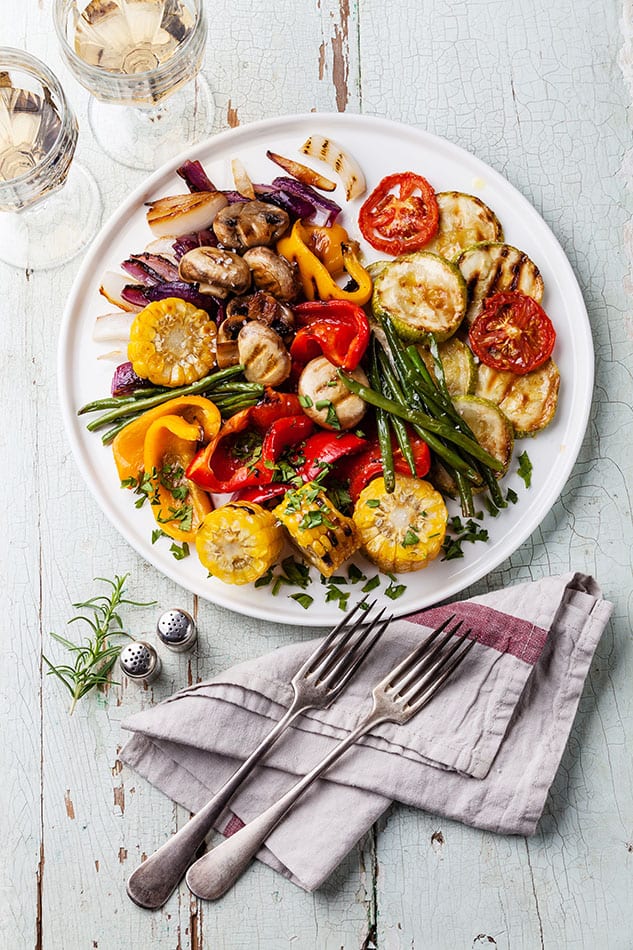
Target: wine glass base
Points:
x,y
148,137
56,229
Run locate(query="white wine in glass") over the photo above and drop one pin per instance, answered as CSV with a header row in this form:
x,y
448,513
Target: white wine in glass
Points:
x,y
49,206
140,60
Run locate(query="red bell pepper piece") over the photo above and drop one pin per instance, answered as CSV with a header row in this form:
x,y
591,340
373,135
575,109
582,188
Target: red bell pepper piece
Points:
x,y
367,465
338,329
260,494
324,448
217,469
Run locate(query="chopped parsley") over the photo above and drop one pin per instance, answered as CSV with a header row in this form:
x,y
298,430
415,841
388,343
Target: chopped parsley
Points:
x,y
304,599
470,531
180,551
524,470
410,538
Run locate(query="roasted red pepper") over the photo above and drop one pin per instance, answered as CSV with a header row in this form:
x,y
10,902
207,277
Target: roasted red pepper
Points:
x,y
337,329
324,449
367,465
220,468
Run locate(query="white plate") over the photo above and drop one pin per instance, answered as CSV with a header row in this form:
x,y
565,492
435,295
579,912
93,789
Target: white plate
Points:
x,y
382,147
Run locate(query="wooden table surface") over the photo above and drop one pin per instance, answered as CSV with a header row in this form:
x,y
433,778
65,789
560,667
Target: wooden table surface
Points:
x,y
542,92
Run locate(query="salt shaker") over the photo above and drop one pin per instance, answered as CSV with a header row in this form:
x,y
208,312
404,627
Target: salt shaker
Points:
x,y
140,662
177,630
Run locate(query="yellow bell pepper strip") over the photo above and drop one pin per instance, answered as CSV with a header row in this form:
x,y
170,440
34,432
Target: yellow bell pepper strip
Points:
x,y
316,280
128,445
326,244
178,505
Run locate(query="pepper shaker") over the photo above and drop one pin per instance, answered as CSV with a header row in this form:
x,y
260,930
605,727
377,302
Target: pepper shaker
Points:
x,y
140,662
177,630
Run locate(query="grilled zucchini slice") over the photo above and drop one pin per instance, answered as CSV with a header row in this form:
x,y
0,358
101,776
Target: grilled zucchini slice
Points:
x,y
239,542
528,401
464,220
403,530
422,293
460,369
490,427
491,267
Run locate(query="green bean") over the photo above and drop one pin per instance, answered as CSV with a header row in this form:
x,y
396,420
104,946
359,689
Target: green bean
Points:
x,y
382,429
111,434
206,384
417,417
391,389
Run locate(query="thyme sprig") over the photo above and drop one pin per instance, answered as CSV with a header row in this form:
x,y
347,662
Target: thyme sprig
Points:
x,y
96,655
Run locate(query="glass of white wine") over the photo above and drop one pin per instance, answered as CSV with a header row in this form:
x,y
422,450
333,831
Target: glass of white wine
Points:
x,y
140,60
50,207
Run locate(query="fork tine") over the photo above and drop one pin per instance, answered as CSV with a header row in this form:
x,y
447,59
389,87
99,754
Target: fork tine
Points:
x,y
413,657
426,658
419,696
310,664
346,666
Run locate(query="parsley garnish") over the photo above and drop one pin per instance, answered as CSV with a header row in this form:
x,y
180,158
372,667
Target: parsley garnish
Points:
x,y
354,574
371,584
524,470
372,502
471,531
304,599
180,551
512,496
410,538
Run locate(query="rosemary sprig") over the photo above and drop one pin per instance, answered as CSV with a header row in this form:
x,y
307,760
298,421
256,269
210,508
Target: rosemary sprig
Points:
x,y
96,655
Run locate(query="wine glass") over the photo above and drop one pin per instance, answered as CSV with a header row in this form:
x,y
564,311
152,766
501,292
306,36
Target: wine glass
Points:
x,y
140,60
50,207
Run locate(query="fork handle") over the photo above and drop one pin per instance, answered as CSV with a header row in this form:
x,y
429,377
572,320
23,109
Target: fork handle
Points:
x,y
151,884
215,872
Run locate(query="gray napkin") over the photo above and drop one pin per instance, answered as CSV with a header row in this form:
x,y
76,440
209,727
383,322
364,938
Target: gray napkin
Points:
x,y
485,751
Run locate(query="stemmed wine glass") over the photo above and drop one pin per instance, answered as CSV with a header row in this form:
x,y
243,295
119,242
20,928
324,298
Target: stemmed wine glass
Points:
x,y
49,206
140,60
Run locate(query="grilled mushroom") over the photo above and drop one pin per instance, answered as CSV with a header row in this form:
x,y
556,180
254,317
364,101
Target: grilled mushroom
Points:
x,y
320,385
272,273
250,224
263,307
216,271
263,354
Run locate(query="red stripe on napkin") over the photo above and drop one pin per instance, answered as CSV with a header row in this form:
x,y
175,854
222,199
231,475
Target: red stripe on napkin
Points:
x,y
234,824
504,633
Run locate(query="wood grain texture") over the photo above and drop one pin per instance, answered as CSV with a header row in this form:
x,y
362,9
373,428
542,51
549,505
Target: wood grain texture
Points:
x,y
537,91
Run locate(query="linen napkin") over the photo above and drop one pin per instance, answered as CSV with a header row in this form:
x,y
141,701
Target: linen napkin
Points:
x,y
484,751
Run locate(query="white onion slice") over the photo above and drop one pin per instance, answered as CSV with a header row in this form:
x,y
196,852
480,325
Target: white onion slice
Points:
x,y
242,182
112,284
113,327
342,162
182,214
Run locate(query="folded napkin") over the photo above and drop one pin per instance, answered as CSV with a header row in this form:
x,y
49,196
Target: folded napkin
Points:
x,y
485,750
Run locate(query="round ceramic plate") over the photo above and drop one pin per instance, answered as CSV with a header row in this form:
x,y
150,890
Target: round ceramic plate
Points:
x,y
381,147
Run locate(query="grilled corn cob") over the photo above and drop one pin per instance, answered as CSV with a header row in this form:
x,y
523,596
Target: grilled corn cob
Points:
x,y
172,343
239,542
324,536
403,530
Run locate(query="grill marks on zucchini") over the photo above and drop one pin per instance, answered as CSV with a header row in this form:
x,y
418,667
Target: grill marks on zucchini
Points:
x,y
464,221
490,268
529,401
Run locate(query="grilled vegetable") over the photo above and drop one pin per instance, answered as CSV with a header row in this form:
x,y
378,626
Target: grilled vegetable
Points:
x,y
181,214
272,274
490,426
421,293
239,542
172,342
301,172
216,271
324,536
128,445
464,221
342,162
403,530
250,224
325,397
490,268
178,505
512,333
528,401
401,214
263,354
460,369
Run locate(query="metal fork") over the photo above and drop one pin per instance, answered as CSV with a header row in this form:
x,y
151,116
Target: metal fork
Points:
x,y
322,678
398,697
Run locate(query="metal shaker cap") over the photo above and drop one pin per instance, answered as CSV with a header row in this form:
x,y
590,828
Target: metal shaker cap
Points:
x,y
177,630
140,662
